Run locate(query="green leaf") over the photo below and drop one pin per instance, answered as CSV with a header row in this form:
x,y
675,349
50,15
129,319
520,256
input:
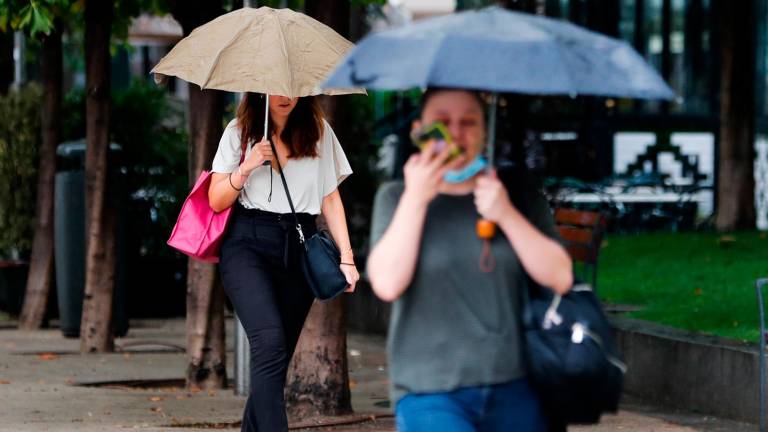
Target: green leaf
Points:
x,y
25,17
41,22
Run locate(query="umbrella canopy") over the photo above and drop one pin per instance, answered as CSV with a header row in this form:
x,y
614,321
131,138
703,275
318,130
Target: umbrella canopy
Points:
x,y
497,50
264,50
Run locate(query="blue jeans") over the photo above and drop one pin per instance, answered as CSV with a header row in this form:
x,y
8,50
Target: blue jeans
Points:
x,y
510,406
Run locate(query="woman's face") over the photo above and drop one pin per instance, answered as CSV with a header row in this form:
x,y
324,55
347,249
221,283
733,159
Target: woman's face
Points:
x,y
462,114
281,106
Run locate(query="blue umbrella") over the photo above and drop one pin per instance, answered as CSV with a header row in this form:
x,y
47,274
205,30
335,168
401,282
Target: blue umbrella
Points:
x,y
497,50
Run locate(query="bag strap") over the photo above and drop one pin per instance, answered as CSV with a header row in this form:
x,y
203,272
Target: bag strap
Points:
x,y
287,193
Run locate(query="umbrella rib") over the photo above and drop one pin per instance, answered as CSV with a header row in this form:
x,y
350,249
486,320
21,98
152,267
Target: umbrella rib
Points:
x,y
285,53
215,61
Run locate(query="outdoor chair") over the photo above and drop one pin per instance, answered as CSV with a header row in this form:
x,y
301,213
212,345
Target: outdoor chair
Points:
x,y
582,234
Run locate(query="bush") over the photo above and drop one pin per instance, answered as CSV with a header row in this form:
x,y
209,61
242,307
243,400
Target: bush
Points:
x,y
151,129
361,149
19,143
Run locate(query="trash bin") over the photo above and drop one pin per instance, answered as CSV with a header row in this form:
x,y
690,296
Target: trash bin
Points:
x,y
69,236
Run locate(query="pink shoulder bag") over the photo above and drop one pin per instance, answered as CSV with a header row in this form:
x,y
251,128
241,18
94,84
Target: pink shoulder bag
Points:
x,y
199,229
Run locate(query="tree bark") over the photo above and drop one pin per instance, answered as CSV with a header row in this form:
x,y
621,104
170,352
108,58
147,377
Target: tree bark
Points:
x,y
205,295
318,377
736,184
529,6
6,61
96,325
41,263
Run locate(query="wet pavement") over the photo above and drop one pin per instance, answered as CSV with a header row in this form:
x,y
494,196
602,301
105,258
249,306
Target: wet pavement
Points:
x,y
46,385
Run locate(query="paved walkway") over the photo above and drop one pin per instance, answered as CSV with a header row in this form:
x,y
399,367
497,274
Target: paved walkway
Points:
x,y
44,387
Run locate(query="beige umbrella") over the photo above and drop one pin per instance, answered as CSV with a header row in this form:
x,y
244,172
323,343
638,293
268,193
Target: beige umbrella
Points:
x,y
264,50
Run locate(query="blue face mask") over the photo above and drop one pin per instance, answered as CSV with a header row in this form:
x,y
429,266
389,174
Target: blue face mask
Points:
x,y
466,173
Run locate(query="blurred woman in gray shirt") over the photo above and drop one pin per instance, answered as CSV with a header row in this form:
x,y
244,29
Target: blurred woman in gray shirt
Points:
x,y
454,341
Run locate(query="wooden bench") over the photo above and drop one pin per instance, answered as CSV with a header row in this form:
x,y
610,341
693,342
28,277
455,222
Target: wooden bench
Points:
x,y
582,233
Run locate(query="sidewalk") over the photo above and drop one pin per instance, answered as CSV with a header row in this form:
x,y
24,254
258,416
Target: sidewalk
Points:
x,y
44,387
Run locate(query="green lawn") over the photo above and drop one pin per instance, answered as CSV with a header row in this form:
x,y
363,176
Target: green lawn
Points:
x,y
694,281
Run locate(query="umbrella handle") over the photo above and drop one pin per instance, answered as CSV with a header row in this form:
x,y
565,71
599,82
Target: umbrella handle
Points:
x,y
266,123
486,230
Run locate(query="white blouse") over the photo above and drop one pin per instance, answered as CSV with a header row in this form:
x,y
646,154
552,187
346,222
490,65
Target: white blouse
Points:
x,y
309,179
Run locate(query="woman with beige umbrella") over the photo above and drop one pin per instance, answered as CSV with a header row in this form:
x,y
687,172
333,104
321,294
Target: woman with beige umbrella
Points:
x,y
277,150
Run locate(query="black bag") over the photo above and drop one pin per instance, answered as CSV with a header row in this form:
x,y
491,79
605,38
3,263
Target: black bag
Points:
x,y
571,357
320,263
320,257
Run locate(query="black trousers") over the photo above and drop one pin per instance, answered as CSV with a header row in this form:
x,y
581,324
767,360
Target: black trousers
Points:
x,y
262,278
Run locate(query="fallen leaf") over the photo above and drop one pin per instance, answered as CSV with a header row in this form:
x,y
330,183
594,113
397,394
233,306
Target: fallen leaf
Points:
x,y
4,382
47,356
697,292
211,392
156,409
352,384
156,398
180,397
127,356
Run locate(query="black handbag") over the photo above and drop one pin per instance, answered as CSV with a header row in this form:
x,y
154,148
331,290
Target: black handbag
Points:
x,y
320,257
570,354
569,350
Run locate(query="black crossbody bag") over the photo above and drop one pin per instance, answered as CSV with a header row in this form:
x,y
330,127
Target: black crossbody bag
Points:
x,y
569,347
319,256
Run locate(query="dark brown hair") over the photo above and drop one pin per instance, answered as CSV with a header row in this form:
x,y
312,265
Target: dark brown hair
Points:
x,y
302,131
431,91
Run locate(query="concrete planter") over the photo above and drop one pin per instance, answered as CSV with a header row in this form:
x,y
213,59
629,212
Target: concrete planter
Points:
x,y
680,369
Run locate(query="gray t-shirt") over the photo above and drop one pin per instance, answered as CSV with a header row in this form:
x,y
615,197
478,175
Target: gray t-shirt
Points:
x,y
455,326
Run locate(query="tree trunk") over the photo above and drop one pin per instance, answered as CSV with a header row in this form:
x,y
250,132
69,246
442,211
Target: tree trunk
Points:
x,y
96,325
736,184
205,296
529,6
318,378
41,263
6,61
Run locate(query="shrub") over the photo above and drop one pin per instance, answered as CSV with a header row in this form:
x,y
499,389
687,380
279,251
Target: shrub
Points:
x,y
19,144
